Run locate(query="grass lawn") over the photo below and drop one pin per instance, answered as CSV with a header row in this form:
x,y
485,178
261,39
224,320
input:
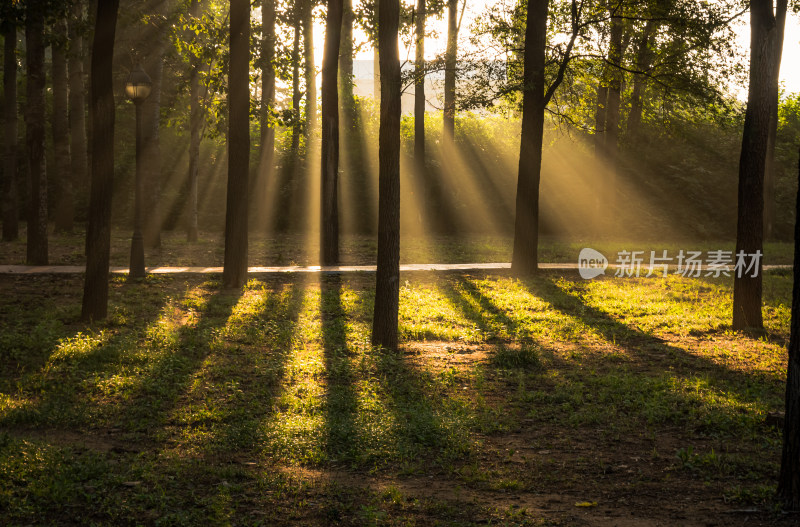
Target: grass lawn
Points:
x,y
551,401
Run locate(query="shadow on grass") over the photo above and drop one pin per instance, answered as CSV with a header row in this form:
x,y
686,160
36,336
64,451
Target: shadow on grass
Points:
x,y
69,363
341,399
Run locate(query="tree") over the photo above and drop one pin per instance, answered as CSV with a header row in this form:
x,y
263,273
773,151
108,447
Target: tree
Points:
x,y
65,208
309,69
267,152
764,32
449,115
34,133
769,168
419,89
789,478
101,112
234,273
296,95
9,186
329,228
79,163
387,285
525,258
195,118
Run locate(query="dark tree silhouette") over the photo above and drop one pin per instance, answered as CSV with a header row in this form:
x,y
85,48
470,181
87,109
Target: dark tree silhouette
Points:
x,y
419,90
9,187
65,208
79,163
750,225
789,479
267,144
387,287
101,112
194,137
329,228
309,69
525,259
526,232
34,133
296,94
234,273
450,57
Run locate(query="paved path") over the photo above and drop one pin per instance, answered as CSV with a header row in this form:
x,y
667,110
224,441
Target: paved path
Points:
x,y
79,269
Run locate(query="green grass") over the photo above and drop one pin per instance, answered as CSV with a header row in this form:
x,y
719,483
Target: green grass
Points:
x,y
192,404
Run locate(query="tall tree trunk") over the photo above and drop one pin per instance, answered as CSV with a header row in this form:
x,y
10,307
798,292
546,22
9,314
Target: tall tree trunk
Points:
x,y
451,52
419,90
151,113
234,273
600,153
65,208
296,95
192,229
91,23
769,169
346,67
34,133
101,112
612,116
387,285
525,259
267,153
329,228
9,189
79,163
310,69
644,60
376,62
755,139
789,478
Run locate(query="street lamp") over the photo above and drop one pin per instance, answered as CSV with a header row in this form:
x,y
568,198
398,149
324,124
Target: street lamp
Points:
x,y
137,88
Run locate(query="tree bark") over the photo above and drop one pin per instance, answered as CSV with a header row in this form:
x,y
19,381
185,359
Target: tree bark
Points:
x,y
419,90
296,95
612,117
346,67
525,259
10,193
769,168
376,62
451,52
755,137
35,134
644,60
192,229
310,69
79,162
329,228
65,207
101,112
267,153
234,273
387,286
789,478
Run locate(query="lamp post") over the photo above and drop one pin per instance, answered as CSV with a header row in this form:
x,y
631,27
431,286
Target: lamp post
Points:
x,y
137,88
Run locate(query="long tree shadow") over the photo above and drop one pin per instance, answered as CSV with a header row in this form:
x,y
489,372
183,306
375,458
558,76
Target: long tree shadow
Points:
x,y
243,378
647,351
175,354
75,362
341,398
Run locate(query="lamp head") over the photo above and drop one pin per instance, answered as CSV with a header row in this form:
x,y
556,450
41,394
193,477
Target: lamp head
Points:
x,y
138,85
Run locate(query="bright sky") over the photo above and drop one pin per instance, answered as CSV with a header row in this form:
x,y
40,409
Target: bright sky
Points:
x,y
790,74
